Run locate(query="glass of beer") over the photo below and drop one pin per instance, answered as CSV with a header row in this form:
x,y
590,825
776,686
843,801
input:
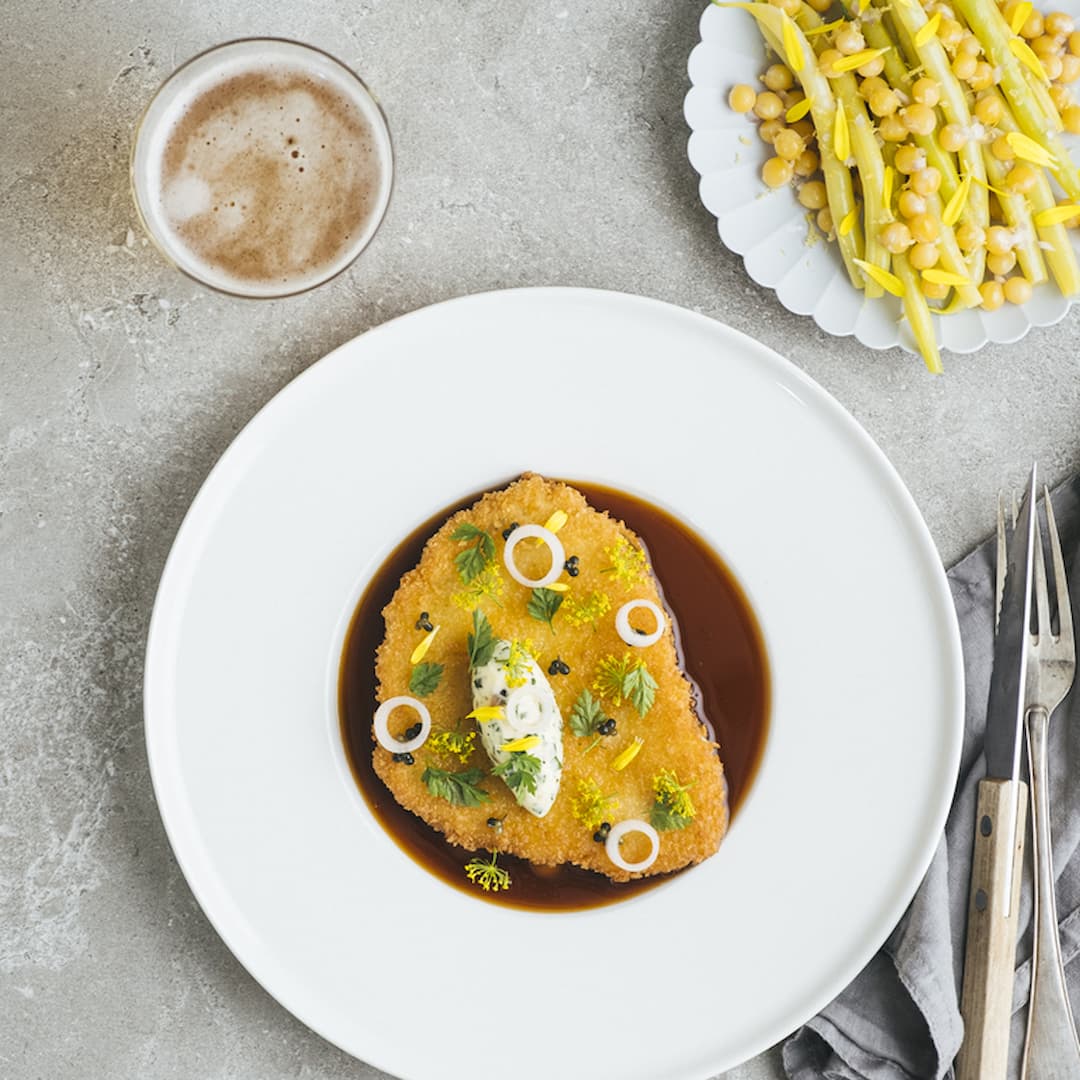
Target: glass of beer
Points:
x,y
262,167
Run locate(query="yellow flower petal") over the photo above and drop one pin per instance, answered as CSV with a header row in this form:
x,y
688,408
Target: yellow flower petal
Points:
x,y
856,60
526,742
793,49
824,28
887,186
798,110
628,754
1057,214
556,521
848,222
888,281
486,713
1020,15
1026,55
558,586
989,187
928,30
954,207
420,651
1030,150
943,277
841,135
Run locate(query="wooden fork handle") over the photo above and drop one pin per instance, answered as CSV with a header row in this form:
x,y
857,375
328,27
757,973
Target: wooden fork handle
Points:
x,y
990,955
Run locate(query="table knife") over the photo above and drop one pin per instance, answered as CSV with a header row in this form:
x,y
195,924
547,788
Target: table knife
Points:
x,y
997,861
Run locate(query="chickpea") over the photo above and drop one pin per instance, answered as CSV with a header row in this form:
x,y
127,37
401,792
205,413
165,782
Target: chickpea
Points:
x,y
1002,149
1070,68
873,67
806,164
884,103
824,220
933,290
918,119
848,39
963,67
1057,22
911,204
1045,45
769,129
1000,265
953,137
768,105
1053,66
923,256
999,240
989,110
993,295
1033,27
926,91
789,7
969,236
1022,178
820,6
826,61
742,98
924,228
1060,95
1017,290
982,78
926,181
892,129
804,128
776,172
777,77
1074,43
896,237
812,195
969,46
1071,119
909,159
950,33
788,145
873,85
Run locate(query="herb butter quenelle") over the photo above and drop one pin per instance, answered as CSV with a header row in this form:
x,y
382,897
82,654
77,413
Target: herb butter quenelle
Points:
x,y
531,704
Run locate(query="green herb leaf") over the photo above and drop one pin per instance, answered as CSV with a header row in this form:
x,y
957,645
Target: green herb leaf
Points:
x,y
625,679
664,818
543,604
640,687
586,715
521,771
425,679
481,641
458,788
474,559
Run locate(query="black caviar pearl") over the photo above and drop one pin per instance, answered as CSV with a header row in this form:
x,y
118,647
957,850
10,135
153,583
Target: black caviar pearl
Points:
x,y
413,730
424,622
558,667
571,566
601,834
564,667
478,683
495,823
606,727
509,529
405,759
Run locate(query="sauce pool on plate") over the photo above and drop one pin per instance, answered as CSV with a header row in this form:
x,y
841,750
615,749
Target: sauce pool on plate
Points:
x,y
720,648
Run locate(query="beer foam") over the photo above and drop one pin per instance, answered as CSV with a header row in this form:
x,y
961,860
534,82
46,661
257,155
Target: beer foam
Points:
x,y
269,177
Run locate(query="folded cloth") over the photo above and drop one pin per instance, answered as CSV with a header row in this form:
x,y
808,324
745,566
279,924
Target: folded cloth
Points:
x,y
900,1018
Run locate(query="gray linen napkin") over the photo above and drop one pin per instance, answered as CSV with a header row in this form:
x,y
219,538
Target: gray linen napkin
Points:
x,y
900,1018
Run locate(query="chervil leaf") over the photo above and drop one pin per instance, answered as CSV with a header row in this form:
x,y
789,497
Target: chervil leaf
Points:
x,y
458,788
640,688
543,604
481,641
586,715
520,771
425,679
475,558
663,817
625,679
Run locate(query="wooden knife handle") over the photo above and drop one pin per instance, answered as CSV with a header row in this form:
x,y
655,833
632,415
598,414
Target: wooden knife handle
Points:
x,y
990,954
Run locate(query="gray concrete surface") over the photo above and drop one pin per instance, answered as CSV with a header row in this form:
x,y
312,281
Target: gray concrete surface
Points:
x,y
537,143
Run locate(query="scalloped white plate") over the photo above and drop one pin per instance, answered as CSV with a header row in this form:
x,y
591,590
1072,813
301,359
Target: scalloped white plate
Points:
x,y
769,229
367,947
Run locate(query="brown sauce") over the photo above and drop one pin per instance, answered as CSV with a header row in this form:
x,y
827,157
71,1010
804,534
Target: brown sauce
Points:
x,y
720,648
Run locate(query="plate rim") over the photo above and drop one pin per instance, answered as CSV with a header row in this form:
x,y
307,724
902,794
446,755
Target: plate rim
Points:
x,y
182,554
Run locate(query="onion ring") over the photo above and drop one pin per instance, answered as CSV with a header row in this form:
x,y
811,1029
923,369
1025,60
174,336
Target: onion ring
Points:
x,y
382,729
554,545
629,634
611,845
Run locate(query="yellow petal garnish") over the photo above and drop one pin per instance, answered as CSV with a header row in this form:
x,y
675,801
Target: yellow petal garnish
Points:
x,y
798,110
989,187
1026,55
1057,214
857,59
887,186
863,5
848,222
792,46
556,521
824,28
486,713
1020,15
928,30
420,651
526,742
889,282
841,136
628,754
943,277
1029,149
558,586
953,208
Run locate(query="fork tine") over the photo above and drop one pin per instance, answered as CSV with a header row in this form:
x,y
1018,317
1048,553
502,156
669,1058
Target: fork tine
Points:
x,y
1002,558
1061,587
1042,597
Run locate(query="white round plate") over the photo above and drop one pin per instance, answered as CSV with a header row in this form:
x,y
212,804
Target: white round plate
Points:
x,y
430,983
769,228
